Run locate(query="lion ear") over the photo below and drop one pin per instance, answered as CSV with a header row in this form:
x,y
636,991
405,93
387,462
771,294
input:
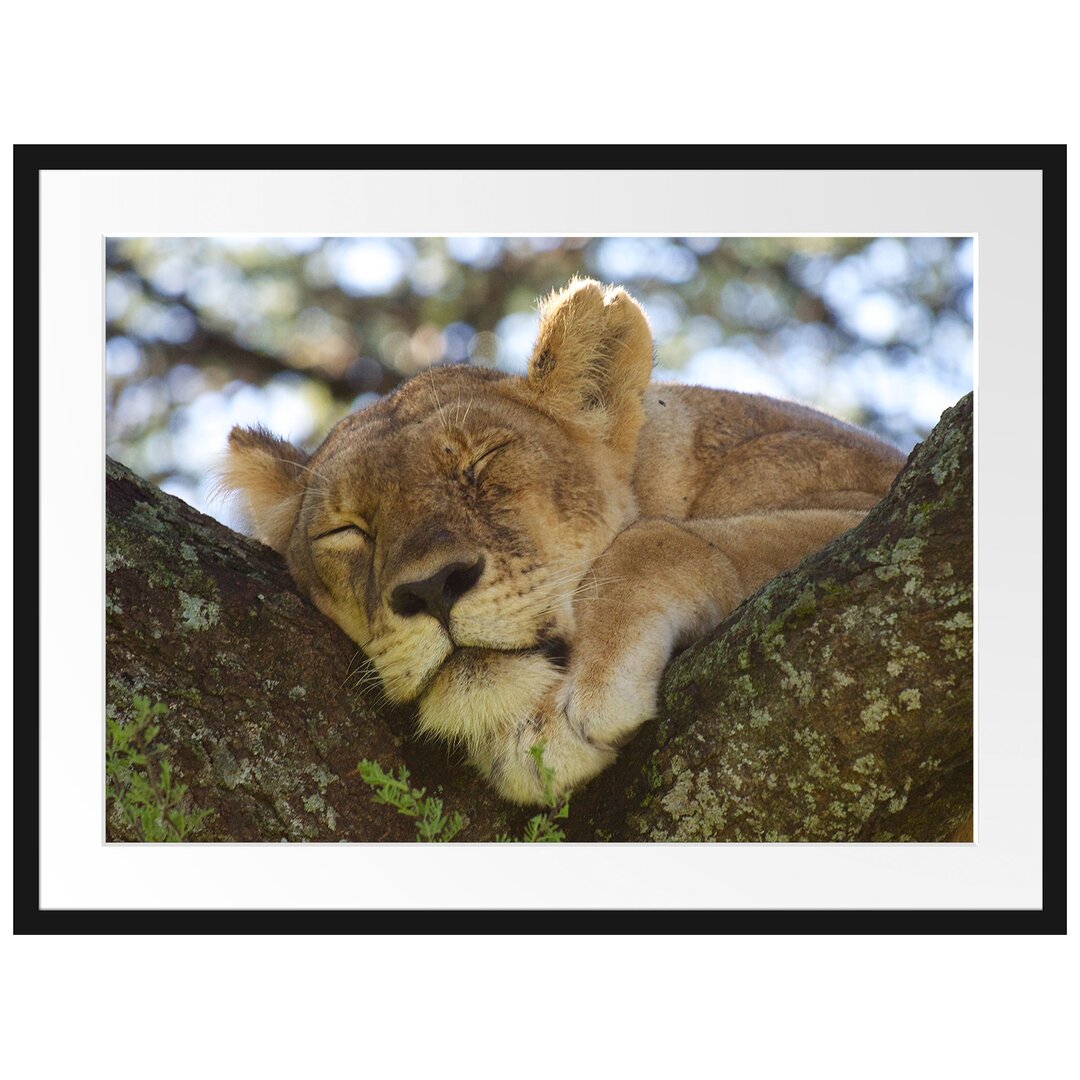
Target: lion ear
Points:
x,y
592,360
267,473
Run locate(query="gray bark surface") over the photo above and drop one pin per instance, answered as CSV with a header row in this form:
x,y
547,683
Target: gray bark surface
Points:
x,y
834,704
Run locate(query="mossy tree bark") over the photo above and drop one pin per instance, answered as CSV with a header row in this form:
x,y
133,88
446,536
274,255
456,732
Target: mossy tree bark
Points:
x,y
834,704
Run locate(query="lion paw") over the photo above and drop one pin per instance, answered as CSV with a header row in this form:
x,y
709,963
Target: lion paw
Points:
x,y
542,760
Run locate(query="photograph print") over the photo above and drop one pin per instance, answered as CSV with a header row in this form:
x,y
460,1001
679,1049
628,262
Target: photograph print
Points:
x,y
539,539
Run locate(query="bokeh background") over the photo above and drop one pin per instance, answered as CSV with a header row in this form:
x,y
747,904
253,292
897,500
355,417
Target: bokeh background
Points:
x,y
294,332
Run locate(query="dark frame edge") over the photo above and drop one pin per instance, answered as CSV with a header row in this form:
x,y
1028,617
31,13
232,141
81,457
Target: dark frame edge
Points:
x,y
29,160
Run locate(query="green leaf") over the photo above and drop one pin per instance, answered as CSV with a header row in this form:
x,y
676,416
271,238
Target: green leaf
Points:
x,y
152,808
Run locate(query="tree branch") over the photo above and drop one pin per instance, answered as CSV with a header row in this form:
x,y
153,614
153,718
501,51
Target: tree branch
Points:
x,y
835,704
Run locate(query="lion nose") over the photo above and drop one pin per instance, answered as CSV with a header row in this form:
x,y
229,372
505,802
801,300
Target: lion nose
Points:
x,y
437,594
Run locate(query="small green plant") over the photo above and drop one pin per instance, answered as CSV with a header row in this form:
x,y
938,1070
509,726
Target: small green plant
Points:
x,y
542,829
431,823
139,781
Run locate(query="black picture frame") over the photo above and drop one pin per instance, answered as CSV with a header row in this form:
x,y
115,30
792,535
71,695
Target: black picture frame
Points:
x,y
31,160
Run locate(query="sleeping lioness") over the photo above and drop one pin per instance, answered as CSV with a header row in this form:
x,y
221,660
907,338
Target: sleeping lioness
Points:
x,y
520,556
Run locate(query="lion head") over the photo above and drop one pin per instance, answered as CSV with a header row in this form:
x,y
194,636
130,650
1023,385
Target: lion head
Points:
x,y
448,528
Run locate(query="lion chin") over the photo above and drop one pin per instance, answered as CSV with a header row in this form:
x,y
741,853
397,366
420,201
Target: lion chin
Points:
x,y
480,694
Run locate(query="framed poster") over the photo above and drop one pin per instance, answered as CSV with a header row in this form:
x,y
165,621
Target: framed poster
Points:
x,y
890,212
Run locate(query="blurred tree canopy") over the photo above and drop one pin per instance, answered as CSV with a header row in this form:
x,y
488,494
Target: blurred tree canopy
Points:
x,y
294,332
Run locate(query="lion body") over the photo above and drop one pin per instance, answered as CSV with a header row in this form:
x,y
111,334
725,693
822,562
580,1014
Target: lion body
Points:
x,y
520,556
